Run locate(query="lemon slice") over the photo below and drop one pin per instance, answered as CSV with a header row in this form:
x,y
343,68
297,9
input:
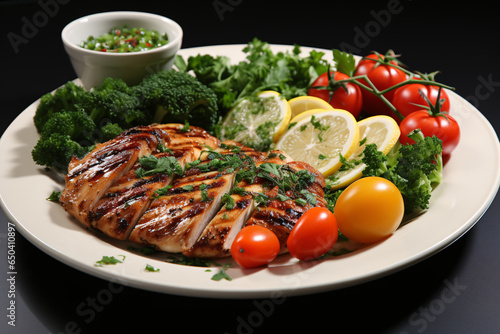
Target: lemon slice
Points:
x,y
319,137
304,103
257,121
380,130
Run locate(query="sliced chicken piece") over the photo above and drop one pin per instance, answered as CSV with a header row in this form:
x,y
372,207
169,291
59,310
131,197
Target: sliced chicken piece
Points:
x,y
180,137
104,192
280,216
218,236
174,222
124,203
316,187
89,178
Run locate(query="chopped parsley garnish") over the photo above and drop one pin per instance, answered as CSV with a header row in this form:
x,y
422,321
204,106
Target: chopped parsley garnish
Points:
x,y
346,164
161,148
106,260
228,201
233,148
185,128
204,193
189,187
222,274
151,165
151,268
288,180
274,155
54,196
318,126
161,192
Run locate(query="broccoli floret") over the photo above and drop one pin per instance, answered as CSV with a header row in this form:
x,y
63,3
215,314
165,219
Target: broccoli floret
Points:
x,y
110,131
76,124
113,84
56,151
415,169
114,102
119,107
65,98
65,134
178,97
71,121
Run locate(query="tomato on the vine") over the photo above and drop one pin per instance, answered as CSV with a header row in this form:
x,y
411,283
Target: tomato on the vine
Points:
x,y
432,121
255,246
382,75
314,234
445,127
408,98
369,209
345,96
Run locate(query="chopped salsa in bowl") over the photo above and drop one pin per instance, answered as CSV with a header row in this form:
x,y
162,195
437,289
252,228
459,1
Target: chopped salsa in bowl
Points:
x,y
126,39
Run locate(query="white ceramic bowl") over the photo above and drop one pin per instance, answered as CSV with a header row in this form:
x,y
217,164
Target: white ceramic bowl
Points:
x,y
92,67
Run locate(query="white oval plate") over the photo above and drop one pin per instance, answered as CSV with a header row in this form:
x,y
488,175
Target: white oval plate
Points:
x,y
471,180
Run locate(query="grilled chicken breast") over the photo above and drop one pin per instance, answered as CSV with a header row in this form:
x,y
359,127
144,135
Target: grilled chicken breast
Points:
x,y
216,239
125,202
88,179
174,222
281,215
198,209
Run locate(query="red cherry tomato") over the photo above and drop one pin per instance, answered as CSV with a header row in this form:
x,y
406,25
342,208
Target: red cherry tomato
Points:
x,y
369,209
255,246
407,99
445,128
313,235
382,76
350,100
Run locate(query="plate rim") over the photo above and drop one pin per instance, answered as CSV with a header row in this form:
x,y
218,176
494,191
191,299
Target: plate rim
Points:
x,y
223,290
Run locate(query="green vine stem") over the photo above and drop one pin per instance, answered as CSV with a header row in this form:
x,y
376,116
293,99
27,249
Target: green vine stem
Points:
x,y
380,93
423,79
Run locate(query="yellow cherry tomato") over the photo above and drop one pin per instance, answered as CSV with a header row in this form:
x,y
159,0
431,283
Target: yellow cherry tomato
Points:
x,y
369,209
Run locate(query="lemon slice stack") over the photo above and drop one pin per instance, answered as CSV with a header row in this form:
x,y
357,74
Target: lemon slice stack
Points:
x,y
380,130
257,121
319,137
301,104
309,129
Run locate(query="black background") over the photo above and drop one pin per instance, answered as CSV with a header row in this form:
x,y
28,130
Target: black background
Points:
x,y
460,40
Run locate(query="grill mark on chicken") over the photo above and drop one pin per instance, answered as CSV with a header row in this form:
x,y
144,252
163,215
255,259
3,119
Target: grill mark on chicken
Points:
x,y
118,212
281,216
195,137
103,192
173,222
217,236
89,178
216,239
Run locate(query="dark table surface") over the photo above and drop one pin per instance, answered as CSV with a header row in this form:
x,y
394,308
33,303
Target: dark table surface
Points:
x,y
454,291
